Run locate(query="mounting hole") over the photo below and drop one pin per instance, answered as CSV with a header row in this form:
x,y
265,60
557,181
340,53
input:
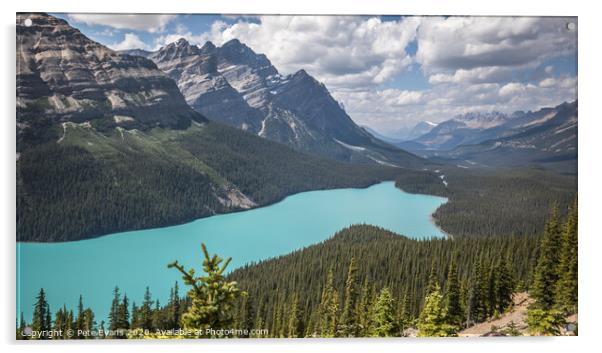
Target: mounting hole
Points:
x,y
571,26
27,22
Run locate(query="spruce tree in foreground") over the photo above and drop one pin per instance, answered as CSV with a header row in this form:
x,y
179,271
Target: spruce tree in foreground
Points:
x,y
41,315
566,289
362,311
384,318
546,271
79,321
114,312
476,308
212,296
348,326
545,322
145,312
453,305
432,320
61,321
504,286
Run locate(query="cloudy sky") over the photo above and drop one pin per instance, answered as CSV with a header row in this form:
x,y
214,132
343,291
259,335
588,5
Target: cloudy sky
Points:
x,y
389,72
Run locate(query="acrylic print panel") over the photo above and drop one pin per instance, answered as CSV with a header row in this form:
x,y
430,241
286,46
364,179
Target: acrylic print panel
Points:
x,y
208,176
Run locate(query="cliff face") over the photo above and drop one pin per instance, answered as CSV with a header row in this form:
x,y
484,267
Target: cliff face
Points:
x,y
63,76
234,85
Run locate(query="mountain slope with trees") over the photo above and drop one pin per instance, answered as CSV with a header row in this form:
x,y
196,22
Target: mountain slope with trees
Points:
x,y
107,143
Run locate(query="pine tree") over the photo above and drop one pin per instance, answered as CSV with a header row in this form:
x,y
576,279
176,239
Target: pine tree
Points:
x,y
476,297
504,286
384,316
348,327
89,323
123,314
326,306
41,315
212,296
433,281
404,315
491,292
295,327
333,314
566,289
363,309
174,307
60,321
135,321
432,322
453,306
79,322
546,271
259,323
146,311
248,316
545,322
275,329
114,312
21,329
157,317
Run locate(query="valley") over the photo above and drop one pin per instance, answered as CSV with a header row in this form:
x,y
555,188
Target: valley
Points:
x,y
128,160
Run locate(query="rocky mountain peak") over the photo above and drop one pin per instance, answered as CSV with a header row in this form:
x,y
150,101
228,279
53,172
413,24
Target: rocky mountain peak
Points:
x,y
182,42
177,50
236,53
208,47
63,76
247,92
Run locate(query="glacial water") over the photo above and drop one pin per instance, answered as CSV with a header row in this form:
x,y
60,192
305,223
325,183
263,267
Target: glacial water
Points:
x,y
134,260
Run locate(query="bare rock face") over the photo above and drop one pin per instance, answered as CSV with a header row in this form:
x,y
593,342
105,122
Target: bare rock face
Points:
x,y
63,76
234,85
204,87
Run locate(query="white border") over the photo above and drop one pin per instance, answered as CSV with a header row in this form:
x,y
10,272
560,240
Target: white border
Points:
x,y
590,129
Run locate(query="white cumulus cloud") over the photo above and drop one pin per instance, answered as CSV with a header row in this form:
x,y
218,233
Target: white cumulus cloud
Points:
x,y
142,22
130,41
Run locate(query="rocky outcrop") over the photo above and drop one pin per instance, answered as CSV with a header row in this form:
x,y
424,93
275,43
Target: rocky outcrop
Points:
x,y
63,76
205,89
234,85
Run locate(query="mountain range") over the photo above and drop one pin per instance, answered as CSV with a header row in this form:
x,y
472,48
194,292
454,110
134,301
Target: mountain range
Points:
x,y
451,133
234,85
106,142
545,138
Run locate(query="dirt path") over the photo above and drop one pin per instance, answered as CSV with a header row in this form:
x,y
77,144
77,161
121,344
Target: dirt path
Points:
x,y
518,315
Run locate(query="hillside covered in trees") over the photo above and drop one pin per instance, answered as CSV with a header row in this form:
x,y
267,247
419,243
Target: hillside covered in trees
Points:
x,y
96,182
485,202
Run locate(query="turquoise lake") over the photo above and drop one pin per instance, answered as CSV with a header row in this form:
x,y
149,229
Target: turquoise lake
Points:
x,y
134,260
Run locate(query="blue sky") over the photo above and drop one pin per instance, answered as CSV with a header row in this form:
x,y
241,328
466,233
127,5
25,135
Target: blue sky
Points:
x,y
390,72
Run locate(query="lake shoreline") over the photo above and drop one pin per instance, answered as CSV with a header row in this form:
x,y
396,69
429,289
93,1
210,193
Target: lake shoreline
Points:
x,y
194,219
134,260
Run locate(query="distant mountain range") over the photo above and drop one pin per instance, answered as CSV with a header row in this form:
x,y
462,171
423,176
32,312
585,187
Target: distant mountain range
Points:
x,y
451,133
546,138
234,85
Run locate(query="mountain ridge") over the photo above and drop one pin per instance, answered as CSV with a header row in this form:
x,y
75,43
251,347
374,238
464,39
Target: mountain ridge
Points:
x,y
64,77
87,169
295,109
